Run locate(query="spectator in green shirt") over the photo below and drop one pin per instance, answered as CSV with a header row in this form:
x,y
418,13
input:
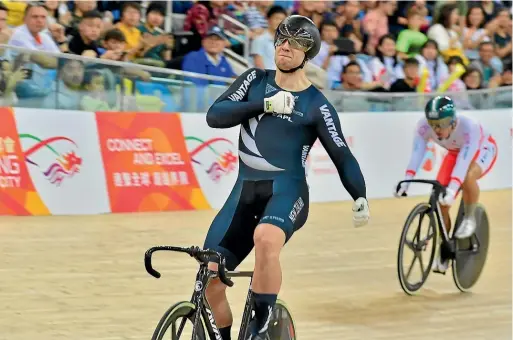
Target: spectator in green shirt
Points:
x,y
157,41
410,41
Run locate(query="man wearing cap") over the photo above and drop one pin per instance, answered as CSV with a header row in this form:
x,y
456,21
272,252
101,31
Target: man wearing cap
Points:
x,y
209,59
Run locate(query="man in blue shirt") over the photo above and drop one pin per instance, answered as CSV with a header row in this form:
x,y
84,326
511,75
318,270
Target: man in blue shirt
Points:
x,y
209,59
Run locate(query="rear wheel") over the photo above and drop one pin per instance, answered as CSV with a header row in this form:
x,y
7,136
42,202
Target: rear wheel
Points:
x,y
416,245
282,325
177,323
471,253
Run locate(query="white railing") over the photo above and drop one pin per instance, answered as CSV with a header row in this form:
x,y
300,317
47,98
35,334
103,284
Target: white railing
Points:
x,y
193,92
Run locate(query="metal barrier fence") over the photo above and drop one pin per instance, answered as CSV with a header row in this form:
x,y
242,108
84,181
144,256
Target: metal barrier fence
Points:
x,y
65,81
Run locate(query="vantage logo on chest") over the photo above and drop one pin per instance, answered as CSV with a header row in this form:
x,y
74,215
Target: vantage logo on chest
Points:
x,y
238,95
331,126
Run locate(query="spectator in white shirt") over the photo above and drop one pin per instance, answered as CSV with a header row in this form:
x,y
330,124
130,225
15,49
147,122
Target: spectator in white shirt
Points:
x,y
430,58
384,66
262,48
329,33
30,36
446,32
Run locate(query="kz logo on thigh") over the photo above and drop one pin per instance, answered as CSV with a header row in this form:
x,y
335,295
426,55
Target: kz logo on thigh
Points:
x,y
296,209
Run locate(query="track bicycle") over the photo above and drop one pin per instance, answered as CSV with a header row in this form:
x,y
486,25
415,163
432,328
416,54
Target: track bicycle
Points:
x,y
197,312
468,256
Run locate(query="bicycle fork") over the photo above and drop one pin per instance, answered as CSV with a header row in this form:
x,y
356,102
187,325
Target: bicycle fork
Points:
x,y
246,316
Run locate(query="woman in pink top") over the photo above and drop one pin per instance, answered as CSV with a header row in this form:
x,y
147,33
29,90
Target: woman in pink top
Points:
x,y
375,23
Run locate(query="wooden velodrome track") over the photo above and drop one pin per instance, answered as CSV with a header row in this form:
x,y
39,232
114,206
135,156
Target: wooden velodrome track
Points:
x,y
84,278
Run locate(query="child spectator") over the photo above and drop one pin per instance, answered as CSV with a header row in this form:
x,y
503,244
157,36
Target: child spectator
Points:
x,y
410,41
472,79
88,35
96,94
411,77
457,85
429,57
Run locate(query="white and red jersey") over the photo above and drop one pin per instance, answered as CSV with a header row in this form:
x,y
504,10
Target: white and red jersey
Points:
x,y
467,139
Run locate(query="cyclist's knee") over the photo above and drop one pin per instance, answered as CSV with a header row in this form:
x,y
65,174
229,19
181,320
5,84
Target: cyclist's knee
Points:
x,y
215,289
269,239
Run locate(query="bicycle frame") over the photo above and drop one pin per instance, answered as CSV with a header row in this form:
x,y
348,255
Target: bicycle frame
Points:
x,y
435,209
203,309
203,278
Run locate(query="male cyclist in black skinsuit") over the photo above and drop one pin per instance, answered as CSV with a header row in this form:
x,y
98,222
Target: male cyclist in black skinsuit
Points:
x,y
281,115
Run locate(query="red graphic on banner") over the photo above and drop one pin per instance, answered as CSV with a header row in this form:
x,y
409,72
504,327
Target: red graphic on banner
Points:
x,y
147,165
17,193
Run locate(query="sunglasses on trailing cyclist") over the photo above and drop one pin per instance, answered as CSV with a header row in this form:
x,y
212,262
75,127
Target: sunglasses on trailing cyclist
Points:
x,y
440,123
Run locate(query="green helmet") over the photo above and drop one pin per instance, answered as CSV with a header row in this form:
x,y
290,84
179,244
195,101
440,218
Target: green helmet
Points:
x,y
440,111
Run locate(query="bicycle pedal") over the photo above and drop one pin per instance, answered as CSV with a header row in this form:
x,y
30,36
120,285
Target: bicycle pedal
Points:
x,y
439,271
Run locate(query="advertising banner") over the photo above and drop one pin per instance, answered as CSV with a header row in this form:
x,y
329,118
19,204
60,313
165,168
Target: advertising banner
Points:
x,y
55,162
382,143
147,165
62,154
214,156
17,193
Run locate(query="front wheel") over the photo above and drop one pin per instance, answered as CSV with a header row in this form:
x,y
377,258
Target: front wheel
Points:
x,y
177,323
417,240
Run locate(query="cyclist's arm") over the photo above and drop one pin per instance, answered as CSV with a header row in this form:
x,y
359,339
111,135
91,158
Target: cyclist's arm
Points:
x,y
419,149
330,134
233,107
465,156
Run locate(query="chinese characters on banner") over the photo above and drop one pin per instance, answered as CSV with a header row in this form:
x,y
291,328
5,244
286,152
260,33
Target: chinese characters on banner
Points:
x,y
17,193
146,163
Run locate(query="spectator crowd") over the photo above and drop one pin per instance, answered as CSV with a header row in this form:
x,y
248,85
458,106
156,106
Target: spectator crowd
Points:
x,y
376,46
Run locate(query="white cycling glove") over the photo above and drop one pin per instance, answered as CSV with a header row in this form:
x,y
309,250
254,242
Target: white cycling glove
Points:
x,y
361,212
402,190
281,102
449,197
